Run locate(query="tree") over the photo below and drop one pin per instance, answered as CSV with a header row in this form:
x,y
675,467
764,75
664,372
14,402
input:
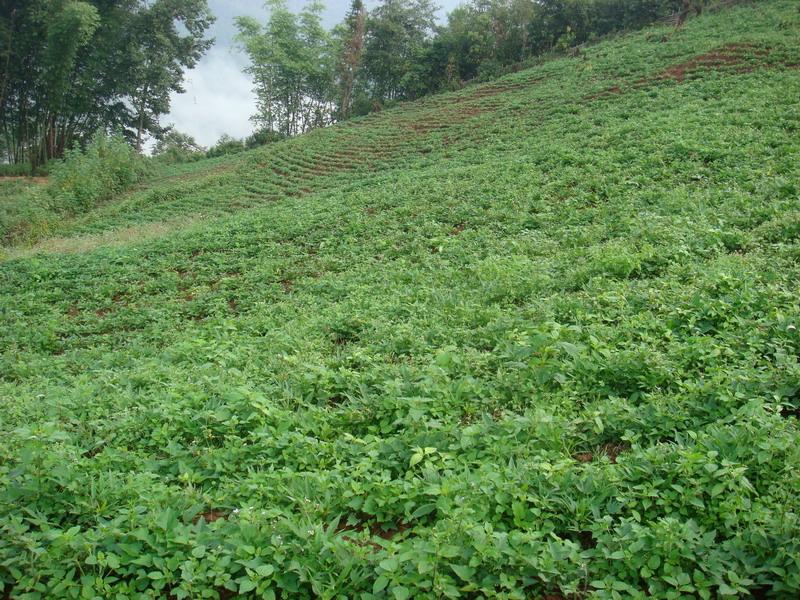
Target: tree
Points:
x,y
226,144
397,52
262,137
161,54
291,62
73,66
43,44
174,140
398,33
352,49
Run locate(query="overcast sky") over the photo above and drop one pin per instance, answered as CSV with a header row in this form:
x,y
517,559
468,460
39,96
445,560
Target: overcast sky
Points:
x,y
219,97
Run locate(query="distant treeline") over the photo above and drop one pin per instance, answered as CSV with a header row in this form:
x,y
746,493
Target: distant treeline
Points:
x,y
69,68
308,77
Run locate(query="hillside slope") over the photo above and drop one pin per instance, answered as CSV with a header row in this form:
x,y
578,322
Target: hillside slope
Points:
x,y
533,339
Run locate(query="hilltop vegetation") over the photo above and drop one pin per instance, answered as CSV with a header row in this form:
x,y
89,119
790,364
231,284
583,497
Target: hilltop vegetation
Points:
x,y
531,339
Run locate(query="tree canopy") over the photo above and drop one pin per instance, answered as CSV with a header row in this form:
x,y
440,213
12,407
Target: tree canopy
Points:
x,y
71,67
306,77
292,66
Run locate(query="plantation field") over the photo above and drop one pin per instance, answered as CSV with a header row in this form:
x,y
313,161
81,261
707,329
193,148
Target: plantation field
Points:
x,y
533,339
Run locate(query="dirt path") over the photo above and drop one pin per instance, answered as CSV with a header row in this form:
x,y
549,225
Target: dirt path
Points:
x,y
36,180
87,243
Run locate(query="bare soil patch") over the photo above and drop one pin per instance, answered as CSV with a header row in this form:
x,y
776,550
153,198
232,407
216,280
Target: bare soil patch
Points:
x,y
729,55
33,180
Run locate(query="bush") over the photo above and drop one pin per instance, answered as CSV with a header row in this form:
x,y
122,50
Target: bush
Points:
x,y
178,148
86,178
262,138
24,170
226,145
24,210
15,170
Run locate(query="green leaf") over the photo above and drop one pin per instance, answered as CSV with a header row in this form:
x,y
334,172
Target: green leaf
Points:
x,y
247,585
265,570
463,572
388,564
401,592
570,349
423,510
599,427
449,551
380,584
727,590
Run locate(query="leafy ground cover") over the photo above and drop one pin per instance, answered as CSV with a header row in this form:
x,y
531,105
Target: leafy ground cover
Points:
x,y
534,339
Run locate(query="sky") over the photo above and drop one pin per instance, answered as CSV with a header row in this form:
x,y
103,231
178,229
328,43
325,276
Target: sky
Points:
x,y
219,97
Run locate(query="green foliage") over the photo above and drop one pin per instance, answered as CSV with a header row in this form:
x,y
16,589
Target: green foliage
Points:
x,y
175,147
398,32
397,52
292,64
536,338
70,67
226,145
85,178
263,137
15,170
25,211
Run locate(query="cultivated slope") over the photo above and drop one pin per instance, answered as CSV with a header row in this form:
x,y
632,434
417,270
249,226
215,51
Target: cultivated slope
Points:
x,y
534,339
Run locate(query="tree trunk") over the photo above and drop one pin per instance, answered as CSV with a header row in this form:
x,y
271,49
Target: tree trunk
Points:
x,y
140,129
6,69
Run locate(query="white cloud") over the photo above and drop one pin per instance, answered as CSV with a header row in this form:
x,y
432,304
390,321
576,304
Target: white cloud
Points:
x,y
218,99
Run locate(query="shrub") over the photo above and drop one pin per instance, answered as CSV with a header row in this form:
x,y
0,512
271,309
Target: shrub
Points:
x,y
86,178
226,145
15,170
178,148
262,138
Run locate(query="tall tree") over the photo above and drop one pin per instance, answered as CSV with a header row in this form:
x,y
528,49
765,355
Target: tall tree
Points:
x,y
291,62
398,33
161,54
73,66
352,50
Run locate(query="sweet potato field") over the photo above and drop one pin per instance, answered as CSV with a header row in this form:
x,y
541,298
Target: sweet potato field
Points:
x,y
533,339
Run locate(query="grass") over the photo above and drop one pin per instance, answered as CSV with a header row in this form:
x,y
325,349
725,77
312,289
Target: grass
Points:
x,y
534,339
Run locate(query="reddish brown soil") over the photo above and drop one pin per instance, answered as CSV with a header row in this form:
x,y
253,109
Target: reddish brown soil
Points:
x,y
611,450
374,529
614,450
35,180
458,229
729,55
211,516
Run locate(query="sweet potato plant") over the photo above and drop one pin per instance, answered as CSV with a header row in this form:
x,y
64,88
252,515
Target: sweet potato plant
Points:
x,y
532,339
